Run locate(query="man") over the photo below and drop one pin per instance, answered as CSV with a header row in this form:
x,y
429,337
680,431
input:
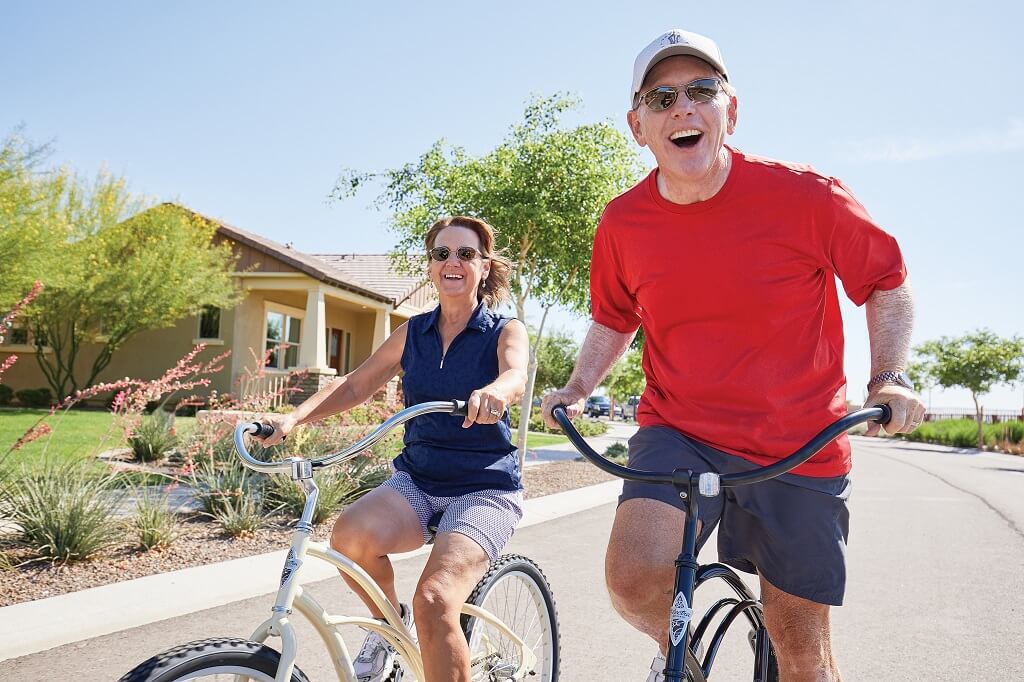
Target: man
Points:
x,y
729,261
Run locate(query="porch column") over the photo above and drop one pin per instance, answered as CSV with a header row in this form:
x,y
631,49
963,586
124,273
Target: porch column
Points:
x,y
313,351
381,326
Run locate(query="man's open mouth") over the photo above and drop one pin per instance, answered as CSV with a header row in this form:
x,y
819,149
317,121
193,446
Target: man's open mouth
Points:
x,y
686,138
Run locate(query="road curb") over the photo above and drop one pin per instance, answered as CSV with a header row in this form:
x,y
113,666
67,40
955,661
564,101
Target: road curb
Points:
x,y
35,626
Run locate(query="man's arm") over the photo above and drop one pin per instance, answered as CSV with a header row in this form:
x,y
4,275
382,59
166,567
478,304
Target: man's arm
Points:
x,y
890,316
601,348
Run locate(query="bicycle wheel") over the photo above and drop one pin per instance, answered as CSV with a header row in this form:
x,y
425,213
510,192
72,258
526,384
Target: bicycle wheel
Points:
x,y
222,658
515,590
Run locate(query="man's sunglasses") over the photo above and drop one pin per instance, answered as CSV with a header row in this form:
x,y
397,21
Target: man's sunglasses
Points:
x,y
464,253
664,96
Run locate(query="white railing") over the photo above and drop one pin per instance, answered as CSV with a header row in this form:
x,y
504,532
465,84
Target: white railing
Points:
x,y
270,387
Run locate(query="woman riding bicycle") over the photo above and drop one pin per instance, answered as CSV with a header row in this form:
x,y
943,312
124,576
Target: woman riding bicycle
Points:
x,y
464,472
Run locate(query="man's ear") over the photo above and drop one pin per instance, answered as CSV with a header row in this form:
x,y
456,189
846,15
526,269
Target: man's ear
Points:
x,y
633,121
731,114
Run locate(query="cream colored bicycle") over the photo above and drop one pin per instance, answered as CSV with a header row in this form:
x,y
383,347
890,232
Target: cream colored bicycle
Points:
x,y
509,620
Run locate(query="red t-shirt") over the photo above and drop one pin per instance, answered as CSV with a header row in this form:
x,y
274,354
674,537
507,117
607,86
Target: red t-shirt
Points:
x,y
737,297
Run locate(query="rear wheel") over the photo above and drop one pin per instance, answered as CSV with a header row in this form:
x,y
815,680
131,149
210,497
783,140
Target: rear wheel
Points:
x,y
222,658
515,590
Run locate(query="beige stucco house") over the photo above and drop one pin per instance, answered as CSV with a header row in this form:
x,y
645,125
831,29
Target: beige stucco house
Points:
x,y
324,313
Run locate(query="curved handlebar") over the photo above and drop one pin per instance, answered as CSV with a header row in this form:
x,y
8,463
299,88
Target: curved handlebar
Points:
x,y
879,413
453,407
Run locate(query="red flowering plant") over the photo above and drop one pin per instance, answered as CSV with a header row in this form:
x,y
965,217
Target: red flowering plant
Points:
x,y
7,322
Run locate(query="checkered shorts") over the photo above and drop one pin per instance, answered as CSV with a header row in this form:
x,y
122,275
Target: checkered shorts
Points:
x,y
487,517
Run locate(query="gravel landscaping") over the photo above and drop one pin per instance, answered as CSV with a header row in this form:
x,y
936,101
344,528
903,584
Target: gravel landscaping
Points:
x,y
202,542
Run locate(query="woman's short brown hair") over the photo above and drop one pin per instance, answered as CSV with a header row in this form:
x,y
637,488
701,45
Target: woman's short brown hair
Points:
x,y
494,289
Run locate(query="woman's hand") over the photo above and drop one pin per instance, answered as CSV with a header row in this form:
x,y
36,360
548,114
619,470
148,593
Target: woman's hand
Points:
x,y
485,406
283,425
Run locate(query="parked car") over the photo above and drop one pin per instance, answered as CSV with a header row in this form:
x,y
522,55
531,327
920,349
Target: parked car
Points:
x,y
632,404
600,406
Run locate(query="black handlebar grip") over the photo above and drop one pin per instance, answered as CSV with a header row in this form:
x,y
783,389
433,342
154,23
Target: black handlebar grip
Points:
x,y
886,414
461,408
263,430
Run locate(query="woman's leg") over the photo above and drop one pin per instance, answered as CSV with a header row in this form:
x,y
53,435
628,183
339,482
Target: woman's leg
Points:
x,y
380,523
455,566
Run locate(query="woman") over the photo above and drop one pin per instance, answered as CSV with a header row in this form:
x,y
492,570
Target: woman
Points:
x,y
465,468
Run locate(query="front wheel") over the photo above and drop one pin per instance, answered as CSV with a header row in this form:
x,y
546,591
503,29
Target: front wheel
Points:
x,y
515,590
222,658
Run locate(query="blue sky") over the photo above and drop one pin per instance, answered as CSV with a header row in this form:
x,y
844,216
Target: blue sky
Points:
x,y
247,112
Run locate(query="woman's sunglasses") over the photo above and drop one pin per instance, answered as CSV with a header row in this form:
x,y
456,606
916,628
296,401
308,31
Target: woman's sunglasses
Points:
x,y
464,253
664,96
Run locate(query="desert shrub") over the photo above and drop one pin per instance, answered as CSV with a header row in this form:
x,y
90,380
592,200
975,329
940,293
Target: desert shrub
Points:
x,y
65,511
617,452
154,523
240,515
586,427
218,485
6,394
287,496
154,438
34,397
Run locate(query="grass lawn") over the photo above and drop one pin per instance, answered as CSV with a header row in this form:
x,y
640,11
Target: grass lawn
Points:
x,y
76,434
539,440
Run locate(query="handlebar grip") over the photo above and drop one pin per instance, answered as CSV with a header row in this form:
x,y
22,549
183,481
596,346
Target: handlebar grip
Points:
x,y
263,430
886,414
460,408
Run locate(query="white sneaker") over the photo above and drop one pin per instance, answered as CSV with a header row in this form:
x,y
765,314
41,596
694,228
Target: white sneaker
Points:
x,y
377,659
657,668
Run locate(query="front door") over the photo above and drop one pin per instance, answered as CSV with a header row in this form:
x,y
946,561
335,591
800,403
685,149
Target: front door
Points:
x,y
334,350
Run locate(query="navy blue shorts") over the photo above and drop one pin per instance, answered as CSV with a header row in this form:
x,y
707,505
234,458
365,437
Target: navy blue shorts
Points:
x,y
792,530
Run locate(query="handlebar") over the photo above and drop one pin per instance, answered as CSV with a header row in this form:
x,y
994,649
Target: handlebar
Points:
x,y
453,407
710,484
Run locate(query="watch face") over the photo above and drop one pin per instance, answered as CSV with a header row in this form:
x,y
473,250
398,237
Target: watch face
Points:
x,y
904,380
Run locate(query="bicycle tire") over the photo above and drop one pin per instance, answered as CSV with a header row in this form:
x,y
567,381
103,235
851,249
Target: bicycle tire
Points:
x,y
228,657
534,620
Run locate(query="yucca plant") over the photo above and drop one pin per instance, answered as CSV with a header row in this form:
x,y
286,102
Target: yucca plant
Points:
x,y
154,523
336,490
240,516
65,512
154,438
219,485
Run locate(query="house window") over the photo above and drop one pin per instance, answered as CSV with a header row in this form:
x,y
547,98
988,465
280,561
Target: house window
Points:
x,y
209,322
283,335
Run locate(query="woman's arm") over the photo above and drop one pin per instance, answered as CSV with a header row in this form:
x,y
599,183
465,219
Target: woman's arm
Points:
x,y
487,405
344,392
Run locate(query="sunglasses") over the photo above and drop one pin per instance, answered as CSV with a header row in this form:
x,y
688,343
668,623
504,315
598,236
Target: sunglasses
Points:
x,y
464,253
664,96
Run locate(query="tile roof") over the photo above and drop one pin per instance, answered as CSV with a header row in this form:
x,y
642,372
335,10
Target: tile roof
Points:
x,y
369,275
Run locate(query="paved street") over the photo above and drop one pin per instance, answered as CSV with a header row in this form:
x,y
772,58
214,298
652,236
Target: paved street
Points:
x,y
936,565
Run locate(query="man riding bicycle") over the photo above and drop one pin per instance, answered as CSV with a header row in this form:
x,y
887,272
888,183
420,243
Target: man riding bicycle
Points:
x,y
729,261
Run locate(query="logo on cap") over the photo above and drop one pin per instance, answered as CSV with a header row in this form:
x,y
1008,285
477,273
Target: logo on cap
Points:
x,y
673,38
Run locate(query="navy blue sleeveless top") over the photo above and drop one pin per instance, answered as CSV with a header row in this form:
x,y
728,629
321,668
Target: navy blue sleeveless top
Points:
x,y
443,458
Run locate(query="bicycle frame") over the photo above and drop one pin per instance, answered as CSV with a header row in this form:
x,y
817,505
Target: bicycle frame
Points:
x,y
290,595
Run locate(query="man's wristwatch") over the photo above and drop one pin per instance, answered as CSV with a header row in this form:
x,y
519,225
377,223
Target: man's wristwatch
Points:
x,y
890,377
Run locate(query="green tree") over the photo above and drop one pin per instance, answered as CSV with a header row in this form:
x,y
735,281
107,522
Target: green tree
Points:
x,y
976,361
118,268
626,377
543,188
556,356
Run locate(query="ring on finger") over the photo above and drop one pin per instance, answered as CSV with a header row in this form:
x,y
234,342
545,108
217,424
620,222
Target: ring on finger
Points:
x,y
494,412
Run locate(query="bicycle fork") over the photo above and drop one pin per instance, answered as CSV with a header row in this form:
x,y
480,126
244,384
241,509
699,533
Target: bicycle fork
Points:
x,y
686,572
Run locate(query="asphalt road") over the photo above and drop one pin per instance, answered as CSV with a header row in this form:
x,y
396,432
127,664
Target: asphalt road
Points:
x,y
936,586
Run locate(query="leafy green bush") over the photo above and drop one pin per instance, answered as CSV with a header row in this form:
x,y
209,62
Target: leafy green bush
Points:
x,y
6,394
34,397
962,433
586,427
241,515
154,522
617,452
154,437
66,512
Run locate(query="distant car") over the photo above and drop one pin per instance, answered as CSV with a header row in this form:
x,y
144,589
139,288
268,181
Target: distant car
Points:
x,y
632,404
600,406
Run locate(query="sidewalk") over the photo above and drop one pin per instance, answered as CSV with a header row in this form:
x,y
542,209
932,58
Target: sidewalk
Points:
x,y
618,432
35,626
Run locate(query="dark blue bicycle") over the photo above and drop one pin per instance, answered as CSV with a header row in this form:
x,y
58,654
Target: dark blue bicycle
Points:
x,y
684,645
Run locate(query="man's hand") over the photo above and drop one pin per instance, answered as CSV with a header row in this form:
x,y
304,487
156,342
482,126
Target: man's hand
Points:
x,y
573,405
907,409
283,425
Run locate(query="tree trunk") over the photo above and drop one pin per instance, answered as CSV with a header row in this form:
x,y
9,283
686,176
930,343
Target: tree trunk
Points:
x,y
980,419
527,403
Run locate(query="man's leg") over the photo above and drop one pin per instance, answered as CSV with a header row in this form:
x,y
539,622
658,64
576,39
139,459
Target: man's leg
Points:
x,y
640,564
801,633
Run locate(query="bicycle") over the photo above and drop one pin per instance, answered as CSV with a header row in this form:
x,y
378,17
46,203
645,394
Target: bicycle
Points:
x,y
685,644
509,619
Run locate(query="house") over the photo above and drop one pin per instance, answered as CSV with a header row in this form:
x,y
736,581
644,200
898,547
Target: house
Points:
x,y
323,314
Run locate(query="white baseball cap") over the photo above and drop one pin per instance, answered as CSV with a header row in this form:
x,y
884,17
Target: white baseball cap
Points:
x,y
675,42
